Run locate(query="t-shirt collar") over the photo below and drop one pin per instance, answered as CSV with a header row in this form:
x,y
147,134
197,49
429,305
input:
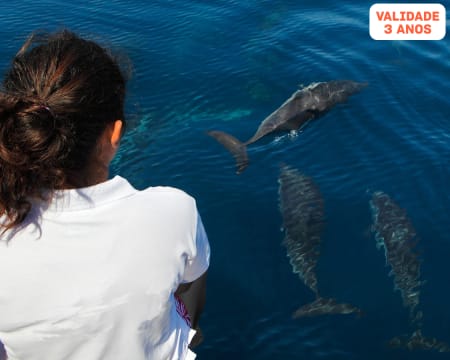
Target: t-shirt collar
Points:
x,y
91,196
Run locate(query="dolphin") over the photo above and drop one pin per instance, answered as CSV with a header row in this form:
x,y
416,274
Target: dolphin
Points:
x,y
302,210
417,342
304,105
395,233
322,306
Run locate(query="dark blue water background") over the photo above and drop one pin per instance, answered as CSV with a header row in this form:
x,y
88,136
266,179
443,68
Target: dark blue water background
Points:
x,y
201,65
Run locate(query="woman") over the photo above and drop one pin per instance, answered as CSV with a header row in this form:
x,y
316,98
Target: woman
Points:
x,y
90,268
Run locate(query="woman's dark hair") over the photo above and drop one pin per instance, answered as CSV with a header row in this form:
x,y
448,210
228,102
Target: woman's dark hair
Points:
x,y
56,100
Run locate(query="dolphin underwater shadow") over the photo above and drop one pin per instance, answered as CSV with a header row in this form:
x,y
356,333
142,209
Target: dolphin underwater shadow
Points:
x,y
396,234
303,106
302,210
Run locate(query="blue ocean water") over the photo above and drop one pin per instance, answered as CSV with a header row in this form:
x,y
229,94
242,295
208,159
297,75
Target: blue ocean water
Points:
x,y
202,65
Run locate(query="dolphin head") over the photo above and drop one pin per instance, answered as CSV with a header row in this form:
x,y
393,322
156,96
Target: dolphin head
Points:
x,y
352,87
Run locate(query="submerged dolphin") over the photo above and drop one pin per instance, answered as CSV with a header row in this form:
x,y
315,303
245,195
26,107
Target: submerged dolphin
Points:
x,y
301,206
304,105
396,234
417,342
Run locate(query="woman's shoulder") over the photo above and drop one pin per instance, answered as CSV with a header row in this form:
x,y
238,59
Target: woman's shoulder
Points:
x,y
168,191
153,191
168,194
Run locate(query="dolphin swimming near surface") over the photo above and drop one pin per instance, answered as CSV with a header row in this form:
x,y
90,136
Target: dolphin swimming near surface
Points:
x,y
396,234
304,105
301,206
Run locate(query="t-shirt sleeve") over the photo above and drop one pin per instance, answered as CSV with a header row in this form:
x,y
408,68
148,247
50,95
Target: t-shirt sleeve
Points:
x,y
197,264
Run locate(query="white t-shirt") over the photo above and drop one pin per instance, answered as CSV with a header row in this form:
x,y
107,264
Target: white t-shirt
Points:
x,y
92,275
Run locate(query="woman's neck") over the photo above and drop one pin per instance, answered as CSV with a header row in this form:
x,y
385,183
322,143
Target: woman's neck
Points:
x,y
94,174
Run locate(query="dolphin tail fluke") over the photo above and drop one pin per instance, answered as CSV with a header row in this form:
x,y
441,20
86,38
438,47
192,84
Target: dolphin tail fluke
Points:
x,y
418,342
323,306
237,148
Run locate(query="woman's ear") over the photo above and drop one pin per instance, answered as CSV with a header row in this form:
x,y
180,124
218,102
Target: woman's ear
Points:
x,y
116,133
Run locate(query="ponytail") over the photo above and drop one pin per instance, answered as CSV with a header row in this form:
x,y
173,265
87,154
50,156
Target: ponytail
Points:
x,y
57,99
